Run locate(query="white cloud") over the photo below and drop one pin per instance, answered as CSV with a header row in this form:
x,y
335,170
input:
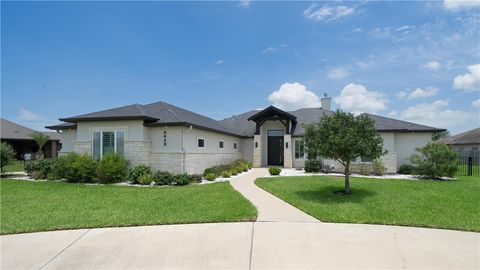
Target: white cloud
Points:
x,y
357,99
219,62
422,93
401,94
454,5
469,81
404,27
27,115
432,65
292,96
327,13
357,30
269,50
437,114
245,3
337,73
476,104
392,113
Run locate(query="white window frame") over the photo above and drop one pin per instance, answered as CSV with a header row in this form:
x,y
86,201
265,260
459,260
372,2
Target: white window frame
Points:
x,y
295,149
223,144
198,139
235,144
114,140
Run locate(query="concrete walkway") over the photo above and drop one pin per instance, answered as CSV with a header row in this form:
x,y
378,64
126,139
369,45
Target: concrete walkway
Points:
x,y
269,207
283,238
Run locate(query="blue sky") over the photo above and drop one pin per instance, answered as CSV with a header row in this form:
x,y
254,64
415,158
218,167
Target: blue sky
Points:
x,y
417,61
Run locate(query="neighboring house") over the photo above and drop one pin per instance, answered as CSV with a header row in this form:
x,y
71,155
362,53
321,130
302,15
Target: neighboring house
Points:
x,y
465,143
19,138
170,138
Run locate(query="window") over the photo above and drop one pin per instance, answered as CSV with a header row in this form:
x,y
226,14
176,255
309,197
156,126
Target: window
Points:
x,y
365,159
235,146
220,144
104,142
299,149
200,143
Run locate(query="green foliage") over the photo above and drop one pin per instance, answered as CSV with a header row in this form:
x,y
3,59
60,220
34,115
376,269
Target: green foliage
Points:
x,y
181,179
378,168
343,137
440,135
6,154
112,168
75,168
226,174
274,170
41,169
435,160
238,166
405,169
41,139
163,178
210,176
138,171
361,168
195,178
313,165
145,179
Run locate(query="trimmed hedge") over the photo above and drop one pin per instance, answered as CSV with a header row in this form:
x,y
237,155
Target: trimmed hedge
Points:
x,y
274,170
405,169
313,165
228,170
138,171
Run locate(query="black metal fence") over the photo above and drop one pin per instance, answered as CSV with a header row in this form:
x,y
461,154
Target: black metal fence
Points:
x,y
469,163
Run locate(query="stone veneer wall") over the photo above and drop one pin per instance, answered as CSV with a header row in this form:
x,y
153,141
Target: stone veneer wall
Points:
x,y
170,162
287,152
82,147
390,161
196,163
138,152
257,152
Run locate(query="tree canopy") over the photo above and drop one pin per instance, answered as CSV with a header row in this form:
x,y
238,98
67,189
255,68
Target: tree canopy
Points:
x,y
343,137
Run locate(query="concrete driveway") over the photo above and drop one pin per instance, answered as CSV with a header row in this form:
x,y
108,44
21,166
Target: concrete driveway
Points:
x,y
283,238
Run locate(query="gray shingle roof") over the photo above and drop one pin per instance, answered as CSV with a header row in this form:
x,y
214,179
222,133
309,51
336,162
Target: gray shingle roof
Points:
x,y
11,130
389,124
62,126
467,137
162,113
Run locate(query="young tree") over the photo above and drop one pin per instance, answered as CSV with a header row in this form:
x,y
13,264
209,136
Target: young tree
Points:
x,y
41,139
440,135
343,137
6,154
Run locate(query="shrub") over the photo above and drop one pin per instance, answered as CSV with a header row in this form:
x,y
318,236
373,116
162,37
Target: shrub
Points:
x,y
226,174
138,171
181,179
195,178
274,170
435,160
79,167
405,169
162,178
378,168
112,168
6,154
210,176
313,165
361,168
40,169
145,179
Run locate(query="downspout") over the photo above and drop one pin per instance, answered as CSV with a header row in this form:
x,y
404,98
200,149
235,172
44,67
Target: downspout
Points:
x,y
183,149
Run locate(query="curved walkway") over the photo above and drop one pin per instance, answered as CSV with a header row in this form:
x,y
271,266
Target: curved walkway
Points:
x,y
282,238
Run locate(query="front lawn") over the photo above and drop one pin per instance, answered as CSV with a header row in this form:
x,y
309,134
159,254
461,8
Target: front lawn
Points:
x,y
436,204
15,166
41,206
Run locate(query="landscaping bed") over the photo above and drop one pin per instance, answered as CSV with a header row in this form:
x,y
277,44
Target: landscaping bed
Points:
x,y
29,206
451,204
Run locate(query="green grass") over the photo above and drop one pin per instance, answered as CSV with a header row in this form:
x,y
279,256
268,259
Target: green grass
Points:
x,y
15,166
41,206
436,204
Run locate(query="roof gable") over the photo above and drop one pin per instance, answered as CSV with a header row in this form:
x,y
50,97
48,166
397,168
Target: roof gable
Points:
x,y
467,137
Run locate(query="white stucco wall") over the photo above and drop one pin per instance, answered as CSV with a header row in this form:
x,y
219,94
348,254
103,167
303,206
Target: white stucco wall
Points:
x,y
247,149
406,143
67,139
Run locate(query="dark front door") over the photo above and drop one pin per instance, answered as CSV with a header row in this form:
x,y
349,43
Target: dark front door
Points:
x,y
275,149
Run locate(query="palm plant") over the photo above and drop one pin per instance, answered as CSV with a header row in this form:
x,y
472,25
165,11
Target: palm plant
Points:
x,y
41,139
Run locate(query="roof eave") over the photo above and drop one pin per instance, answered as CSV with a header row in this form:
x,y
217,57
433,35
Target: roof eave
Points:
x,y
187,124
107,118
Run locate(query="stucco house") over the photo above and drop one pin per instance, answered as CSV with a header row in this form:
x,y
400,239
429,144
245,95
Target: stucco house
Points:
x,y
466,143
170,138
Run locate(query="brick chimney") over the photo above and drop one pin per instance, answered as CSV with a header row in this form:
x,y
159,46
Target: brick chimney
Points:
x,y
326,102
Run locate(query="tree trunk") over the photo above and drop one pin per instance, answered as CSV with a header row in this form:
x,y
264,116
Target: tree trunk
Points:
x,y
347,178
